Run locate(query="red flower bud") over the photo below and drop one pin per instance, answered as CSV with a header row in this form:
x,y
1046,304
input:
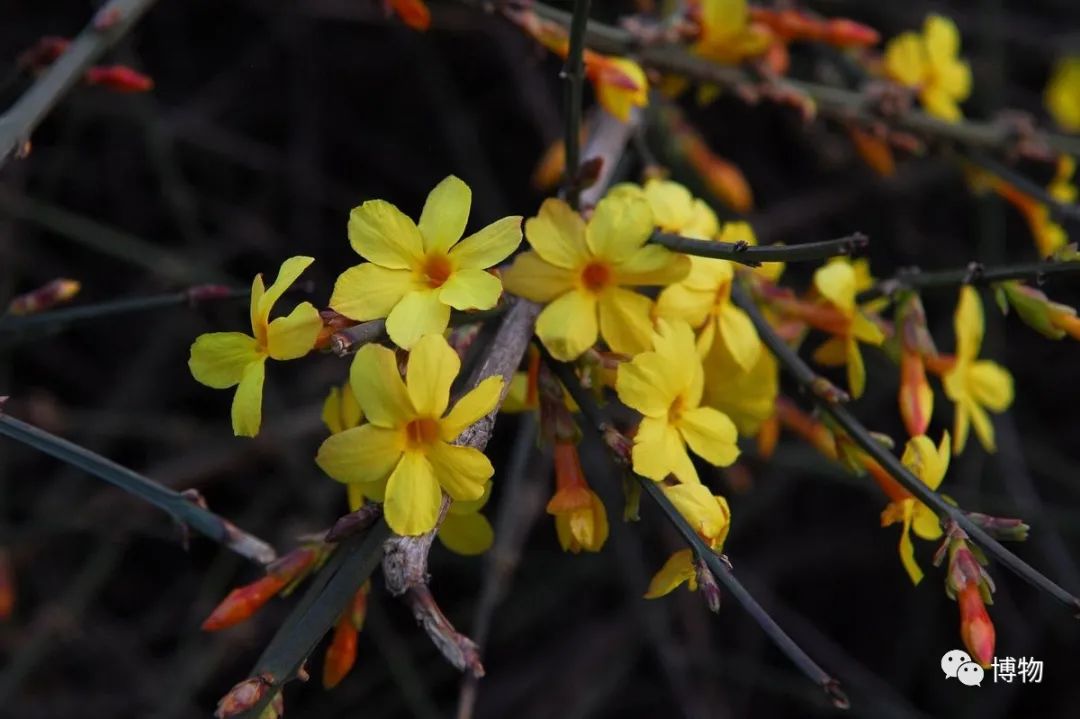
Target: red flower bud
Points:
x,y
243,602
341,654
119,78
976,629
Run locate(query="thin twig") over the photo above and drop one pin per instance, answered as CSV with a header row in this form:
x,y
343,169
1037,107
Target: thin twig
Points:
x,y
346,341
110,23
829,403
718,567
191,296
837,102
754,255
574,75
185,509
974,274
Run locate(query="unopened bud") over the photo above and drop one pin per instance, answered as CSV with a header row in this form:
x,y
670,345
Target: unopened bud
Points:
x,y
708,586
341,654
976,629
45,297
244,697
119,78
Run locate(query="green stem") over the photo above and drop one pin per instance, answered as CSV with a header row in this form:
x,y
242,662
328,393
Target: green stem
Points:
x,y
720,569
973,274
182,508
829,403
326,598
574,75
754,255
110,23
193,295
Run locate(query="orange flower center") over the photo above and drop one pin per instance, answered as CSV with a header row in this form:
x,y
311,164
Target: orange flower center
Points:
x,y
596,276
437,270
675,412
422,432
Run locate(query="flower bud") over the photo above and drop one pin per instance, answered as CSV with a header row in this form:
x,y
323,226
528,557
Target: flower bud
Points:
x,y
341,654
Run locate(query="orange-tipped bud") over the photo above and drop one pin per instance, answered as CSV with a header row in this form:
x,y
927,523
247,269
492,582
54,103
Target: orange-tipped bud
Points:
x,y
45,297
873,150
341,654
841,32
243,602
768,435
793,25
7,586
119,78
413,13
916,397
43,53
976,629
551,167
723,178
809,429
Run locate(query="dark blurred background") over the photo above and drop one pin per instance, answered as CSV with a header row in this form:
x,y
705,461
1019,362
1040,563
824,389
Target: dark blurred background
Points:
x,y
270,120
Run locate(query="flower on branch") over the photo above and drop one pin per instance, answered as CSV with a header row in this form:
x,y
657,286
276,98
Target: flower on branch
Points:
x,y
581,521
226,359
930,64
929,464
974,385
415,274
582,271
727,33
710,517
403,453
1062,94
665,385
1048,318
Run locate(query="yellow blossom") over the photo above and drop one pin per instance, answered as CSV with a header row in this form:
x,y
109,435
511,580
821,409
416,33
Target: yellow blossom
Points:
x,y
581,521
748,397
710,517
727,35
704,300
415,274
464,530
665,386
674,209
582,271
1062,95
406,440
837,282
620,83
929,63
974,385
341,411
929,464
226,359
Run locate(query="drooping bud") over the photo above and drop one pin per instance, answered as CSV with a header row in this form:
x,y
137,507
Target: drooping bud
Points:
x,y
341,654
710,590
119,78
976,629
45,297
243,602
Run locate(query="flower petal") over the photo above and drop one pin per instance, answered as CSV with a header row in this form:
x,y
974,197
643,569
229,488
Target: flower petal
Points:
x,y
557,234
568,326
925,523
433,366
906,548
218,359
984,427
942,39
469,289
659,451
681,302
341,410
247,402
489,246
476,403
836,283
672,204
377,383
413,497
462,471
652,265
466,534
905,59
363,454
645,384
711,434
619,226
990,385
739,336
536,279
625,322
968,323
708,515
856,370
381,233
290,271
677,569
368,291
445,214
419,313
293,336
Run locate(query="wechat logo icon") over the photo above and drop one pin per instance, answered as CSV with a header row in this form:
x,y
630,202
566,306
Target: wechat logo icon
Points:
x,y
957,664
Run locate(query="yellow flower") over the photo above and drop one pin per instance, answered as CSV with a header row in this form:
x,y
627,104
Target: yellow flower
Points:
x,y
929,63
929,464
224,359
974,385
710,517
620,84
582,271
1062,95
726,32
464,530
665,386
837,282
674,209
748,397
406,441
414,275
704,300
581,521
